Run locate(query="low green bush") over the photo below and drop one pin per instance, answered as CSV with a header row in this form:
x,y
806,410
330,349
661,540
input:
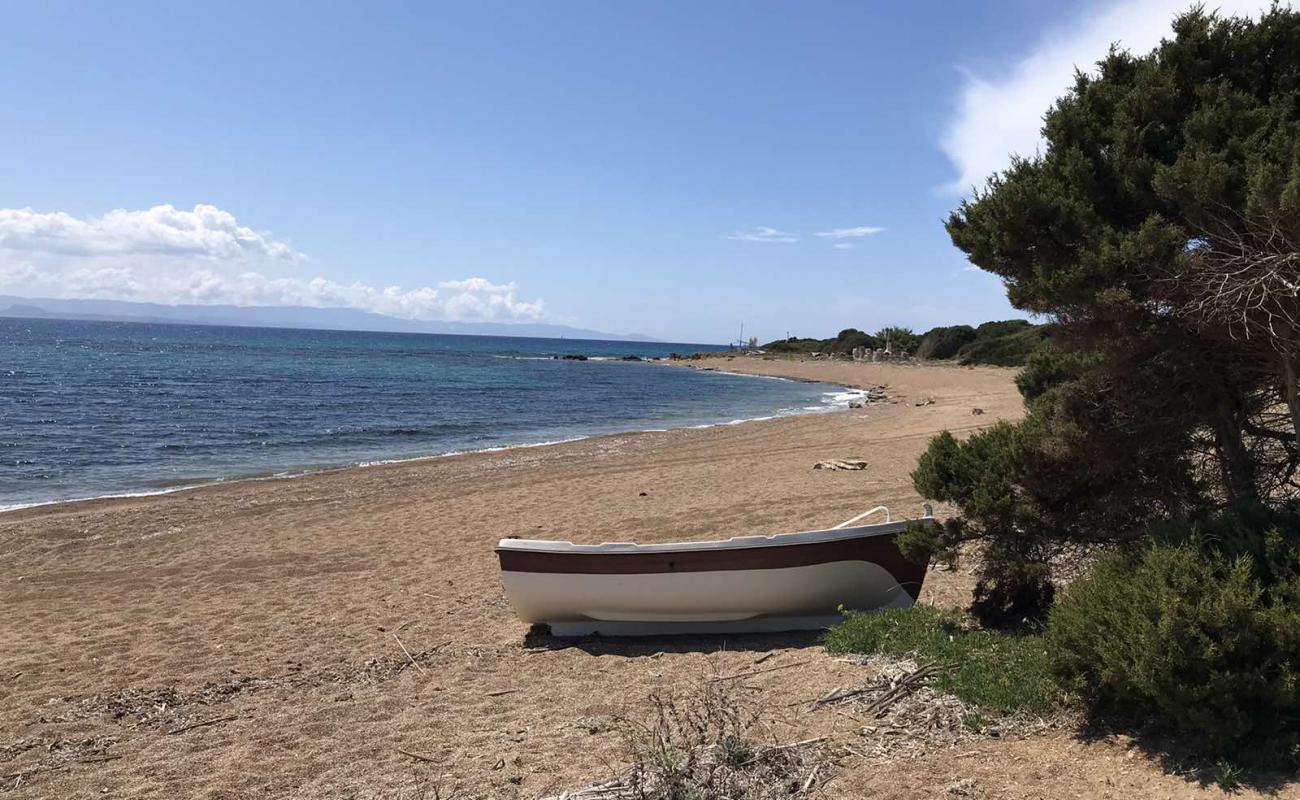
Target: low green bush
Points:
x,y
944,342
1002,672
983,477
1005,344
796,345
1199,633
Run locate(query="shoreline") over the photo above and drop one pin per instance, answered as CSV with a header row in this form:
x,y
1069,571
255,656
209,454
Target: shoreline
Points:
x,y
322,469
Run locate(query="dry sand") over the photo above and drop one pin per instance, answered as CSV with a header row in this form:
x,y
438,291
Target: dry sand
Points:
x,y
281,613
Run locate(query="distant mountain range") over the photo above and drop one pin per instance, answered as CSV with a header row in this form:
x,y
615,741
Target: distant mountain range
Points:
x,y
344,319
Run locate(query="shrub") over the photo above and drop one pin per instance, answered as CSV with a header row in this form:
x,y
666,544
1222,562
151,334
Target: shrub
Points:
x,y
850,338
899,339
944,342
984,478
999,671
796,345
703,744
1049,367
1199,633
1005,344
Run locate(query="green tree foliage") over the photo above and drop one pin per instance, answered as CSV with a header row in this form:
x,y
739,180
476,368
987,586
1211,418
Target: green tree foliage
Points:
x,y
1005,344
1142,412
985,476
842,344
1199,631
1148,406
1145,161
849,338
1160,231
796,345
899,340
944,342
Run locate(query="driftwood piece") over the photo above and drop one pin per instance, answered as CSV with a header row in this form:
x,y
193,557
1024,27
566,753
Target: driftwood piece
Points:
x,y
841,464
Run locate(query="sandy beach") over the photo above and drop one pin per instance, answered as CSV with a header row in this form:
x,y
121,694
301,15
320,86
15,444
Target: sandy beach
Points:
x,y
344,634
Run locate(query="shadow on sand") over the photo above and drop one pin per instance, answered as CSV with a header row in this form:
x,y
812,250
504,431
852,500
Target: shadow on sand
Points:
x,y
539,638
1175,757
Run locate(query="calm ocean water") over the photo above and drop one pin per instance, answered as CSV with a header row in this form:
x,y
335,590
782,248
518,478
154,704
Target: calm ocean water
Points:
x,y
97,408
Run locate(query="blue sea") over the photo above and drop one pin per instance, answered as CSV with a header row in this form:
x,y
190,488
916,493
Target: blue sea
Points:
x,y
89,409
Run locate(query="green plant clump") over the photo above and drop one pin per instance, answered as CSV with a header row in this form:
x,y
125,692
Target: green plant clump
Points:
x,y
1201,636
944,342
1005,344
1001,672
796,345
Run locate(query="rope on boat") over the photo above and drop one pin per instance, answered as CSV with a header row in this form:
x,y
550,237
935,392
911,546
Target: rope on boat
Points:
x,y
846,523
929,513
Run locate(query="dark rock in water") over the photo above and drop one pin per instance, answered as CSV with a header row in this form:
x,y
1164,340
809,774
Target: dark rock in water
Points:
x,y
574,357
631,358
674,356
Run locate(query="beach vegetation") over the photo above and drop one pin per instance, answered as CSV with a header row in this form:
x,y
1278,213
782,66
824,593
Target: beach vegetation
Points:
x,y
794,344
898,339
944,342
1007,343
1003,673
850,339
1010,343
708,742
1158,233
1148,407
1198,631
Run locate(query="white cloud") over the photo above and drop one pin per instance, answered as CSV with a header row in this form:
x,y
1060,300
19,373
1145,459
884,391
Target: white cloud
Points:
x,y
206,232
849,233
996,117
163,255
763,234
843,246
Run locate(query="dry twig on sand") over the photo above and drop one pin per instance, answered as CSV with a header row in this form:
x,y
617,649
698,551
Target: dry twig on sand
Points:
x,y
752,672
416,756
702,745
415,663
203,724
901,687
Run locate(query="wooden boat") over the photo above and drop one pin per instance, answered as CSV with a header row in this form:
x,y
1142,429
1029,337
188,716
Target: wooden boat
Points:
x,y
793,581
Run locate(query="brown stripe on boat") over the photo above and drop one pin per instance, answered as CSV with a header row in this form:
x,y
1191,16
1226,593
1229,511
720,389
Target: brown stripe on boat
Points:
x,y
881,550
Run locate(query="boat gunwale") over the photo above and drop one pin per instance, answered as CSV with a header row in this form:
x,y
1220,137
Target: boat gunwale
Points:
x,y
734,543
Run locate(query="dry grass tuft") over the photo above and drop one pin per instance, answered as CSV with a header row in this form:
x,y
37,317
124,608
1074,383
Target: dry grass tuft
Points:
x,y
706,744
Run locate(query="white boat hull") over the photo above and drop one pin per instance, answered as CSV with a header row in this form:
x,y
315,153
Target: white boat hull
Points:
x,y
750,584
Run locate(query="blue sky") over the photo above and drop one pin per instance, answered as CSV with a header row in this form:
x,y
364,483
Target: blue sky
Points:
x,y
663,167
